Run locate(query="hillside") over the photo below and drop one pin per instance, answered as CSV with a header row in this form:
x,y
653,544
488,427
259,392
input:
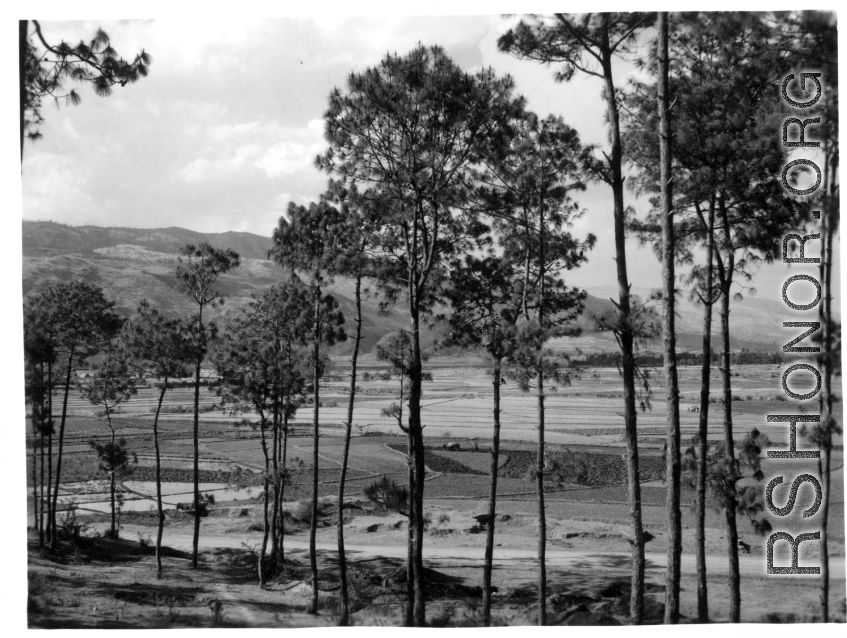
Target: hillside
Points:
x,y
130,272
132,264
50,237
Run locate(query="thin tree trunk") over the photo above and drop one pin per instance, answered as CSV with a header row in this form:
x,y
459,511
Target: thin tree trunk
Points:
x,y
703,432
626,343
539,471
277,519
49,531
672,575
283,479
410,554
417,490
492,501
284,469
37,416
61,443
113,532
275,559
39,460
542,515
344,620
313,525
35,473
729,442
260,567
161,521
826,401
265,505
200,339
49,388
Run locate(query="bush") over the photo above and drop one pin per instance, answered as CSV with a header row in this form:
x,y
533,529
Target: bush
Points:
x,y
70,528
205,501
303,511
386,493
144,541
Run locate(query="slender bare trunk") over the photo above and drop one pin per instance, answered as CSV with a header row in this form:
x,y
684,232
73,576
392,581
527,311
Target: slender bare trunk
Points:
x,y
344,620
37,417
492,501
161,519
540,460
283,477
313,526
729,444
542,514
265,505
50,456
277,520
49,389
113,531
417,490
726,275
275,559
703,431
197,365
61,443
626,342
672,575
410,553
35,473
826,399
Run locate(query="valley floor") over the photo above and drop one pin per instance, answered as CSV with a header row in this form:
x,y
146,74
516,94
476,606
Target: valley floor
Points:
x,y
102,582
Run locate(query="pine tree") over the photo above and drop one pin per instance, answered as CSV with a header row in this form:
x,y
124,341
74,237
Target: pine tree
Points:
x,y
412,127
256,373
305,242
75,321
486,302
727,196
197,272
110,384
527,191
355,259
162,349
588,43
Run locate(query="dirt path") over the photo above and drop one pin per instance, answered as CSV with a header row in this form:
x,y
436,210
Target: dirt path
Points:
x,y
444,557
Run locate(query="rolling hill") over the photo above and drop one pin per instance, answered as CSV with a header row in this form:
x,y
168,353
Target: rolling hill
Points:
x,y
132,264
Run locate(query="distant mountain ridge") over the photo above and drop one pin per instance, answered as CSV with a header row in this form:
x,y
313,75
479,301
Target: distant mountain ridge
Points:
x,y
137,263
46,236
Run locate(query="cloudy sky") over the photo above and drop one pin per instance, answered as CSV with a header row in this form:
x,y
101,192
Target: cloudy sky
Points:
x,y
224,131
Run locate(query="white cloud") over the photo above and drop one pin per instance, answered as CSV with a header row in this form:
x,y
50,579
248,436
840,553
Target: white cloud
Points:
x,y
69,130
220,167
230,148
289,157
54,188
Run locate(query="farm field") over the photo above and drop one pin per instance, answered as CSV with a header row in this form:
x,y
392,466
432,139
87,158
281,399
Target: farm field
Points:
x,y
587,505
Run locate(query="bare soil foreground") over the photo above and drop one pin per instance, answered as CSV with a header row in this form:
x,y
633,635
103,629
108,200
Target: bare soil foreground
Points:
x,y
93,581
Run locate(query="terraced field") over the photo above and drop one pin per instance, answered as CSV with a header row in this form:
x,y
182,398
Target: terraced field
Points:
x,y
582,418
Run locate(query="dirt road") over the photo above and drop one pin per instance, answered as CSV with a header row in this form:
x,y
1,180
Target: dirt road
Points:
x,y
504,557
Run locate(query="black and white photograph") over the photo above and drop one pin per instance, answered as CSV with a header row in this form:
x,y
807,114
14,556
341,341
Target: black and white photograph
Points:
x,y
472,318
